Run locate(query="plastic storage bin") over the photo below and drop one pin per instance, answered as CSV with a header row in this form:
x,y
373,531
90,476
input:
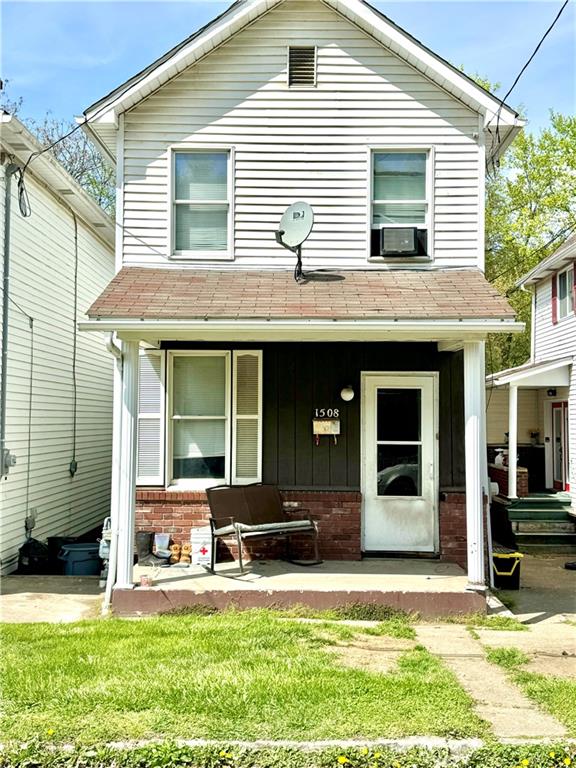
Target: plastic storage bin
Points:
x,y
80,559
506,565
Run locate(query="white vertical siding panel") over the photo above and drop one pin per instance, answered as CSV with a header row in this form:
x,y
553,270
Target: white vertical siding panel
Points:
x,y
301,144
42,283
552,341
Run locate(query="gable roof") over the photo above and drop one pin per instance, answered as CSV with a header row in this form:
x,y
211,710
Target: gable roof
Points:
x,y
561,257
103,114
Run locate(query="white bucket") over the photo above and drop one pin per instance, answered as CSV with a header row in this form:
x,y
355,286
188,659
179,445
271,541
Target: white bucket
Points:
x,y
201,541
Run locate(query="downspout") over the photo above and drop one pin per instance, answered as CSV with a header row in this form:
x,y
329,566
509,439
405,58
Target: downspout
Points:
x,y
114,350
6,458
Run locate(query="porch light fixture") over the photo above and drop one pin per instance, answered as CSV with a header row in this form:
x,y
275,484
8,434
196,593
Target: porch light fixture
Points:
x,y
347,394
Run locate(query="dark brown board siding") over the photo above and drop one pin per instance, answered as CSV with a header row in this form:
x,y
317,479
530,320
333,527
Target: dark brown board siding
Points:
x,y
302,376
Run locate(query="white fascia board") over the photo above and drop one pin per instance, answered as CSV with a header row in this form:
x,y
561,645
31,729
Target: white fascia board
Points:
x,y
552,374
355,11
95,139
181,60
21,143
304,330
565,254
433,67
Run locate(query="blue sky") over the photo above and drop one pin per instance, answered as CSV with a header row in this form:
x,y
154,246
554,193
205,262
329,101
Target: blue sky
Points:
x,y
62,56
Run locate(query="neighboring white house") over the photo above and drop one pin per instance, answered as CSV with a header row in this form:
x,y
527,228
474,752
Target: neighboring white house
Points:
x,y
330,103
59,382
540,396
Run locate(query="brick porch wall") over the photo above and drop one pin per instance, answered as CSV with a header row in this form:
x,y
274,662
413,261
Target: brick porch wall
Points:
x,y
499,474
338,514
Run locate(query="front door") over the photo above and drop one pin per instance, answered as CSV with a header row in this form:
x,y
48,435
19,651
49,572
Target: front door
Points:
x,y
399,485
560,445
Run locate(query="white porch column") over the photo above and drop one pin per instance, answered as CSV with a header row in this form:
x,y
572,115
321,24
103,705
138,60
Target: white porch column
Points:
x,y
127,473
513,442
474,419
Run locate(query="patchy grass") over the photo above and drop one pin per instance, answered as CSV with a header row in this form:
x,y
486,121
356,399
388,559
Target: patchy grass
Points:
x,y
245,675
555,695
398,627
348,612
506,598
508,658
481,621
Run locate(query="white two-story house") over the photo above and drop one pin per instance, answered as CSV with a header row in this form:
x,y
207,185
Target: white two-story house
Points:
x,y
539,398
227,363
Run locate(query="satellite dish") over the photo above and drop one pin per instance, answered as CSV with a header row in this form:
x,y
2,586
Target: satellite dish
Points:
x,y
295,227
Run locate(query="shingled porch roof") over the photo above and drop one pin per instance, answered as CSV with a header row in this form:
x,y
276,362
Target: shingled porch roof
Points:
x,y
234,294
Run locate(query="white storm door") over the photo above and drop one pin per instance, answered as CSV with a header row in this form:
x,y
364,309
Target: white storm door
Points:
x,y
399,464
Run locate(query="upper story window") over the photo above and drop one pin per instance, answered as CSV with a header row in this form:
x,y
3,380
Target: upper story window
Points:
x,y
202,204
400,204
566,296
302,66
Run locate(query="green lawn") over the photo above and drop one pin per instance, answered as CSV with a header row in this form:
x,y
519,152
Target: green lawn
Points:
x,y
226,676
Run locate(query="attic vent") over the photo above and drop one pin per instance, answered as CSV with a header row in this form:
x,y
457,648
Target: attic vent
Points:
x,y
302,66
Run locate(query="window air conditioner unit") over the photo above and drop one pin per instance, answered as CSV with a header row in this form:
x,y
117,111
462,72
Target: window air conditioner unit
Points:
x,y
398,241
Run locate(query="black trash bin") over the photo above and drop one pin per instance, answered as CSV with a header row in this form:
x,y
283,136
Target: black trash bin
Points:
x,y
506,566
33,558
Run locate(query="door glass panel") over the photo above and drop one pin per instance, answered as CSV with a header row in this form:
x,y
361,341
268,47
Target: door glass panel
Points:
x,y
399,470
399,414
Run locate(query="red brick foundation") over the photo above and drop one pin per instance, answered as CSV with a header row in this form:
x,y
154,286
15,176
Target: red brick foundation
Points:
x,y
338,514
453,528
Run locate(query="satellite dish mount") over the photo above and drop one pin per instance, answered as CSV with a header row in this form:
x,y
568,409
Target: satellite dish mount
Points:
x,y
295,227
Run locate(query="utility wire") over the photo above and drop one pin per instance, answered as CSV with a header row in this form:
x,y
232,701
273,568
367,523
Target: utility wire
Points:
x,y
524,68
566,231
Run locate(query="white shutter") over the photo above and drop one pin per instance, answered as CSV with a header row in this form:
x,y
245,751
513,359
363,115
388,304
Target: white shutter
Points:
x,y
247,417
151,399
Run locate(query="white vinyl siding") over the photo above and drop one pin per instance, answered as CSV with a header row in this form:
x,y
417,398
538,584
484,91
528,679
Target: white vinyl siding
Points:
x,y
302,144
247,416
42,284
151,405
552,341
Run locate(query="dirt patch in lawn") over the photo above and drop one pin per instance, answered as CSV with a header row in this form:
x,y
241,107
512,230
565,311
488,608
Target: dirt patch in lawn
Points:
x,y
374,654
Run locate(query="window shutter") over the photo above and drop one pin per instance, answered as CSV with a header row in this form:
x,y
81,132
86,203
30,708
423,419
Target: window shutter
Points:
x,y
554,299
151,398
247,417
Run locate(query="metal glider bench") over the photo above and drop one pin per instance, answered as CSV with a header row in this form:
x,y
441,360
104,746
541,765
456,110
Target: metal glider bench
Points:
x,y
256,511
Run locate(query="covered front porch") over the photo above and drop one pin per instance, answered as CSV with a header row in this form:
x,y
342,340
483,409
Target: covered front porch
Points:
x,y
363,405
426,587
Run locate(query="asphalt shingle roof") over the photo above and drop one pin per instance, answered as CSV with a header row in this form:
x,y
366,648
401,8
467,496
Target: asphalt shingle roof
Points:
x,y
187,294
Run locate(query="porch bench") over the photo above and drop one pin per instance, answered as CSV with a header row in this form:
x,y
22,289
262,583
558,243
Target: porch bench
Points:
x,y
255,511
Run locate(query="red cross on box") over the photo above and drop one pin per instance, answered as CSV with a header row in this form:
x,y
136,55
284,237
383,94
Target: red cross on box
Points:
x,y
203,551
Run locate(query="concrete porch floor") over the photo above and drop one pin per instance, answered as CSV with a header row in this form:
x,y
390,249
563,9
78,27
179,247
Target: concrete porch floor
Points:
x,y
426,586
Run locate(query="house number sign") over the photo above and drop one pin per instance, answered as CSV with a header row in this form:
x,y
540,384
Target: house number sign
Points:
x,y
327,413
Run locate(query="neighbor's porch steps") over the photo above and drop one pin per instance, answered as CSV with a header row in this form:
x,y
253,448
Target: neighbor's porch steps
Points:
x,y
543,523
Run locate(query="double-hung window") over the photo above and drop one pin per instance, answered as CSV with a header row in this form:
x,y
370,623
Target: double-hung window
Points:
x,y
566,296
208,428
400,201
201,204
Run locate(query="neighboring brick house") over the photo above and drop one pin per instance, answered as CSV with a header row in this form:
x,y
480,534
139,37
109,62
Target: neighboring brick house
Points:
x,y
329,103
536,402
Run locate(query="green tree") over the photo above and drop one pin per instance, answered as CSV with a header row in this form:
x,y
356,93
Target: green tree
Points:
x,y
79,156
530,210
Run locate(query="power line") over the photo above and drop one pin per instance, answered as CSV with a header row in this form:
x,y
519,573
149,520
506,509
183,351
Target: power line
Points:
x,y
566,231
524,68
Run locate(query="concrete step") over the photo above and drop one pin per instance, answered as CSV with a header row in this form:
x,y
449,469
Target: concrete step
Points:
x,y
559,543
547,549
543,526
537,515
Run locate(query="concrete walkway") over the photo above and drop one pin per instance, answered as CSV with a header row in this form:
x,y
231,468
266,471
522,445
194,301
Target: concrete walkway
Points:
x,y
55,599
498,701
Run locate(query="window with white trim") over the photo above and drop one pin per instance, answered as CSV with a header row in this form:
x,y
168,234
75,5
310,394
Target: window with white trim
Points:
x,y
201,203
566,296
215,417
400,200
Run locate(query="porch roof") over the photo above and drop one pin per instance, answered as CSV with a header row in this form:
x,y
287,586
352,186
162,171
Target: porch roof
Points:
x,y
138,293
545,373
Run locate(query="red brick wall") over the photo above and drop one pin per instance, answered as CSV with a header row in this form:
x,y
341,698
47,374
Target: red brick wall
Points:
x,y
453,528
338,514
500,475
